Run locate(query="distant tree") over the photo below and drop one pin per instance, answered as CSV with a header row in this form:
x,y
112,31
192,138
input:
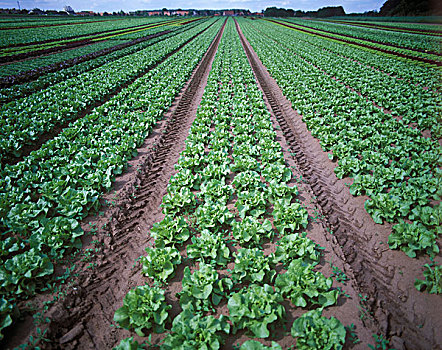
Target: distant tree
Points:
x,y
278,12
411,8
331,11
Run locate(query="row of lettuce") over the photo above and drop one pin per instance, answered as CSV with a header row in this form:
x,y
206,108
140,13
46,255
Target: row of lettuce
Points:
x,y
410,28
106,42
41,82
389,161
401,98
26,21
29,35
44,197
422,58
406,41
35,48
26,119
232,195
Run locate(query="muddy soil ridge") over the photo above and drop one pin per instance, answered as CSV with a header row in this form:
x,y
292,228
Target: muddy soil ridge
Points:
x,y
83,319
409,318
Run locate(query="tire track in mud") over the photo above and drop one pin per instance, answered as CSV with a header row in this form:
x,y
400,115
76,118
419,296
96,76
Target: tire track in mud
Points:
x,y
82,320
410,319
58,128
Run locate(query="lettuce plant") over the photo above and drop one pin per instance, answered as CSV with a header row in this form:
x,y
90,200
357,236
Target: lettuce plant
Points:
x,y
245,162
255,308
211,215
144,308
253,266
303,286
159,264
219,153
178,202
314,331
251,231
203,290
296,246
273,157
281,192
190,163
184,179
21,273
190,331
251,203
170,231
412,239
247,180
216,191
58,235
278,172
433,279
217,172
209,247
289,218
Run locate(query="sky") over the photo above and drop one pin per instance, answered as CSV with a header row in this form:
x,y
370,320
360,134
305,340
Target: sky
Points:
x,y
252,5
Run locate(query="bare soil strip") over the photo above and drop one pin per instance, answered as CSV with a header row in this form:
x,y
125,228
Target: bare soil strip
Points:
x,y
59,128
410,319
390,52
82,319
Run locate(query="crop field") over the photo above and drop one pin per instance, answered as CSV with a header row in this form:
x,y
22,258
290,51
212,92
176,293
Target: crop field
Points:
x,y
220,183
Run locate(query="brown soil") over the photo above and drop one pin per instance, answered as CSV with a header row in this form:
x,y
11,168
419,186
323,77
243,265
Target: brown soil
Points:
x,y
27,149
409,318
390,52
82,320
